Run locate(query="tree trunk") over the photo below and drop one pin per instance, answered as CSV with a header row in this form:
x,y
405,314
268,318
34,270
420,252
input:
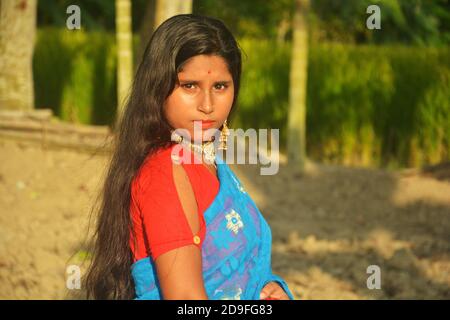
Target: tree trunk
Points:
x,y
283,28
297,90
168,8
124,53
17,36
146,29
156,12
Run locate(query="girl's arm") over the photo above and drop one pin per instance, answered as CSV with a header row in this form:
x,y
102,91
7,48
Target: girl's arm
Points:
x,y
180,274
180,270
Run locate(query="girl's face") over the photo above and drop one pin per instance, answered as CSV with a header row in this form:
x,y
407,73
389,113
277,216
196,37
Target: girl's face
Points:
x,y
204,92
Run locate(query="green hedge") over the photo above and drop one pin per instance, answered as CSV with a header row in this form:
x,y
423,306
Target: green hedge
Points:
x,y
367,105
75,75
379,105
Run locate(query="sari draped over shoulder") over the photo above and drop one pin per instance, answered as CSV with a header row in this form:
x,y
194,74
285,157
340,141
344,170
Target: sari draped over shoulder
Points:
x,y
236,252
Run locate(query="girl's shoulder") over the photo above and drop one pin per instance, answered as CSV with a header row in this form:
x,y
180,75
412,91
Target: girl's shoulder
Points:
x,y
157,158
155,169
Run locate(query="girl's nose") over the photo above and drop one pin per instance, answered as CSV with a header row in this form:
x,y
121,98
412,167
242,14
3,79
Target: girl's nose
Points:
x,y
206,103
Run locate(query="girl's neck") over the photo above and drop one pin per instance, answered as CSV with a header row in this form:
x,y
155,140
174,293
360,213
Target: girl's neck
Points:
x,y
205,150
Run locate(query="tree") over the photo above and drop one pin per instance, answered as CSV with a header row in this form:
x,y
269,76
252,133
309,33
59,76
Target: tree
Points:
x,y
168,8
124,53
17,36
146,28
297,91
156,12
423,22
255,19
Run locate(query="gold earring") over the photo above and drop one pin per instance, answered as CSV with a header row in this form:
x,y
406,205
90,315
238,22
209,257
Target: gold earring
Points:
x,y
223,137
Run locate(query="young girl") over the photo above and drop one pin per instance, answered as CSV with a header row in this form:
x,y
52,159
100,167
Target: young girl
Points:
x,y
172,229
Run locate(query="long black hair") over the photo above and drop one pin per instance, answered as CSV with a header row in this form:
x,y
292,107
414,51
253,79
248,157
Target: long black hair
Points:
x,y
143,129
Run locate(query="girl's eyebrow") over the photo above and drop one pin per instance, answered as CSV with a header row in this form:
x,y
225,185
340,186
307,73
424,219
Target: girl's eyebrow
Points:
x,y
197,82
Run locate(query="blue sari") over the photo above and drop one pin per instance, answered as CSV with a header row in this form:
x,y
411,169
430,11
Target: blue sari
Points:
x,y
236,252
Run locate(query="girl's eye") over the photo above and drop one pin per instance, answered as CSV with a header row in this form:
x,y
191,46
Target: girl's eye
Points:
x,y
219,86
223,85
186,85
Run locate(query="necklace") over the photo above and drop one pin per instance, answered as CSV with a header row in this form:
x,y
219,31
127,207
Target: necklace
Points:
x,y
205,148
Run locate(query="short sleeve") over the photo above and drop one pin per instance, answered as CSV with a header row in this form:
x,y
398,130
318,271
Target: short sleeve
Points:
x,y
163,220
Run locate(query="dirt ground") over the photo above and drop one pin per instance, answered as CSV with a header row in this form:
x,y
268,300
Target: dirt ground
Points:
x,y
329,224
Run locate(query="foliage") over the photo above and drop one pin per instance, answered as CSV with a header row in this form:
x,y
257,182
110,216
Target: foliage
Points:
x,y
366,104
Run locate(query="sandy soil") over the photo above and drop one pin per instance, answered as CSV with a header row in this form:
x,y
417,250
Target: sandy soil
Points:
x,y
328,224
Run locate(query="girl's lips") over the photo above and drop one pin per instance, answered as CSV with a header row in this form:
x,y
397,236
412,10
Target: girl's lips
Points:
x,y
207,123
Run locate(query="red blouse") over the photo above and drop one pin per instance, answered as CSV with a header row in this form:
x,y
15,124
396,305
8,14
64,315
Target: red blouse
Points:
x,y
159,221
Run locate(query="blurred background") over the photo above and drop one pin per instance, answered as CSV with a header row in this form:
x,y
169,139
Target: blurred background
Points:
x,y
359,89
